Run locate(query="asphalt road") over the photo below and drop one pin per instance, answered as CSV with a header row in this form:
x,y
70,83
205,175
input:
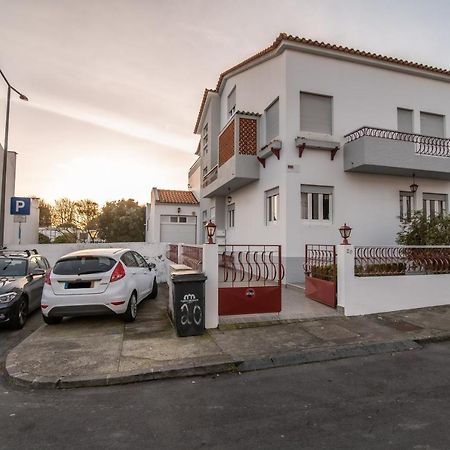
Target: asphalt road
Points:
x,y
396,401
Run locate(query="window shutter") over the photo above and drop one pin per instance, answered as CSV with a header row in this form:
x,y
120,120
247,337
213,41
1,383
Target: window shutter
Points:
x,y
311,189
272,121
405,120
315,113
432,124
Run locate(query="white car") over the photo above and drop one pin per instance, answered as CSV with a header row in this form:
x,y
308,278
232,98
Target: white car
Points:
x,y
94,282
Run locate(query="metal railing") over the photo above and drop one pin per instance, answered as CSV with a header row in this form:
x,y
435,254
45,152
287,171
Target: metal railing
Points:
x,y
211,176
320,261
172,253
424,145
391,261
250,265
192,256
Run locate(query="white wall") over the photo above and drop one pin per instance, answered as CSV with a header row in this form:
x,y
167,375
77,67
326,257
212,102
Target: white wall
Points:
x,y
155,253
362,95
369,295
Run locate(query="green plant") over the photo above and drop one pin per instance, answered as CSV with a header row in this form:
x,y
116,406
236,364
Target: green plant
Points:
x,y
323,272
422,230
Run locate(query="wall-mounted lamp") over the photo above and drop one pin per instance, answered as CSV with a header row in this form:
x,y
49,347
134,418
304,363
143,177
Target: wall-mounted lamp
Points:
x,y
179,210
210,231
229,199
345,231
414,185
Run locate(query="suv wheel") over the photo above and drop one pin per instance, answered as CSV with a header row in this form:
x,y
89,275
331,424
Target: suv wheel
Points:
x,y
20,314
154,292
131,312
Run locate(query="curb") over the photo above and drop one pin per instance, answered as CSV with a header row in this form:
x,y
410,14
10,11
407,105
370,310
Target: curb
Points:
x,y
227,366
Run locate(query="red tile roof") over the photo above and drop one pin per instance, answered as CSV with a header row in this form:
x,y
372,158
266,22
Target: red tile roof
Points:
x,y
181,197
309,42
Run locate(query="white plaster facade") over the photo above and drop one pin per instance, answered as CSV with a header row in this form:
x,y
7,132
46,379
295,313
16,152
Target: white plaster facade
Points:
x,y
175,222
364,91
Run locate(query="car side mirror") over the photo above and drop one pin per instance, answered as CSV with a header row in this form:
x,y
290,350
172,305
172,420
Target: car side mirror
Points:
x,y
152,266
38,272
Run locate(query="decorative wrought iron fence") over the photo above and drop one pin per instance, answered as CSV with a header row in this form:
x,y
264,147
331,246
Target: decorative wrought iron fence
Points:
x,y
425,145
211,176
172,253
320,261
388,261
192,256
250,265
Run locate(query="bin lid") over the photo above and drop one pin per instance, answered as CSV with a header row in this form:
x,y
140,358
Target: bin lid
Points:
x,y
177,267
188,276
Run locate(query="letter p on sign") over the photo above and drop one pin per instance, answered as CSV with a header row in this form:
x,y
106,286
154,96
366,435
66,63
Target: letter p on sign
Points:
x,y
20,206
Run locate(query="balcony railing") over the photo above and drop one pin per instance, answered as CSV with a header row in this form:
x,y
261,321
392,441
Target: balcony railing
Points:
x,y
211,176
424,145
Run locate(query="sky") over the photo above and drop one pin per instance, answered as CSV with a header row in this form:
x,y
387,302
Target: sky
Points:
x,y
115,86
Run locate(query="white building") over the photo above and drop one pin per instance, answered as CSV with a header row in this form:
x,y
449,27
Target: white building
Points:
x,y
304,136
172,217
18,232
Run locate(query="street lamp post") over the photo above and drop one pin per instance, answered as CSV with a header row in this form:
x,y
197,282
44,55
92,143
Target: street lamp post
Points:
x,y
5,157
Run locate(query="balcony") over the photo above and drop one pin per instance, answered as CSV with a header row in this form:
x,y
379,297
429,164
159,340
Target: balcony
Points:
x,y
389,152
238,163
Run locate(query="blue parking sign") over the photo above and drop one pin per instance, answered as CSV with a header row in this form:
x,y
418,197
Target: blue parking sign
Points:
x,y
20,206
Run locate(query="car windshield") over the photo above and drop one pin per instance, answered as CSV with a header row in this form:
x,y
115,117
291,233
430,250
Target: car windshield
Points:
x,y
82,265
12,267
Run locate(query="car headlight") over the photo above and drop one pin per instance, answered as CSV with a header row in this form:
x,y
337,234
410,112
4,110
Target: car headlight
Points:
x,y
8,297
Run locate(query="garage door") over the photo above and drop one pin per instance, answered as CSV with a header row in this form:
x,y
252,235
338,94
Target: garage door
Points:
x,y
178,229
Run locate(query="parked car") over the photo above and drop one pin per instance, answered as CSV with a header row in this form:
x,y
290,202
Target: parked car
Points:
x,y
97,282
21,282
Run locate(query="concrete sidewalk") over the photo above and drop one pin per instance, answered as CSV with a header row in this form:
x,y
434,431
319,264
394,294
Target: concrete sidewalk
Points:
x,y
104,351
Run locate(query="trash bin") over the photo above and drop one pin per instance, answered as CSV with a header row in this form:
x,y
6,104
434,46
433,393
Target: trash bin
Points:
x,y
188,298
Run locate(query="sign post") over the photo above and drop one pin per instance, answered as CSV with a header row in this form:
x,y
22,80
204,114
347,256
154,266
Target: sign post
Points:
x,y
20,208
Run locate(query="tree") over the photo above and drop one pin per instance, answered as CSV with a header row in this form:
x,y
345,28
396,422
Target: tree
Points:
x,y
422,230
64,217
122,221
86,217
65,239
45,214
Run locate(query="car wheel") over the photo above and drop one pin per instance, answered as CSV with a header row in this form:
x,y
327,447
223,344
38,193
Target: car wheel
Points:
x,y
52,320
154,292
131,312
20,314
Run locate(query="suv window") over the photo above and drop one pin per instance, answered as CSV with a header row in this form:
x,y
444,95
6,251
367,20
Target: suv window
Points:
x,y
129,260
42,262
33,264
141,261
80,265
13,267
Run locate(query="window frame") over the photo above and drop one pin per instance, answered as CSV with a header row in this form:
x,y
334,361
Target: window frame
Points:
x,y
232,110
412,119
437,199
331,131
271,203
231,212
427,113
308,191
412,204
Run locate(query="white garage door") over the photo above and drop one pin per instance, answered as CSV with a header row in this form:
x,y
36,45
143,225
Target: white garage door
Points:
x,y
179,229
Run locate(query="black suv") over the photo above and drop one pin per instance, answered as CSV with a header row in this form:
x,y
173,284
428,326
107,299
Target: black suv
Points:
x,y
22,277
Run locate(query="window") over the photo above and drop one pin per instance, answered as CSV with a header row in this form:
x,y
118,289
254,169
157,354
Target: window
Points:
x,y
317,203
432,124
272,206
140,260
205,139
406,205
205,170
272,121
182,219
316,113
434,204
405,120
230,213
129,260
173,219
231,102
33,264
204,215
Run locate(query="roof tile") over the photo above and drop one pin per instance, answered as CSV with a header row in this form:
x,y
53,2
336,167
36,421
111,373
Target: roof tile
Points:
x,y
181,197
